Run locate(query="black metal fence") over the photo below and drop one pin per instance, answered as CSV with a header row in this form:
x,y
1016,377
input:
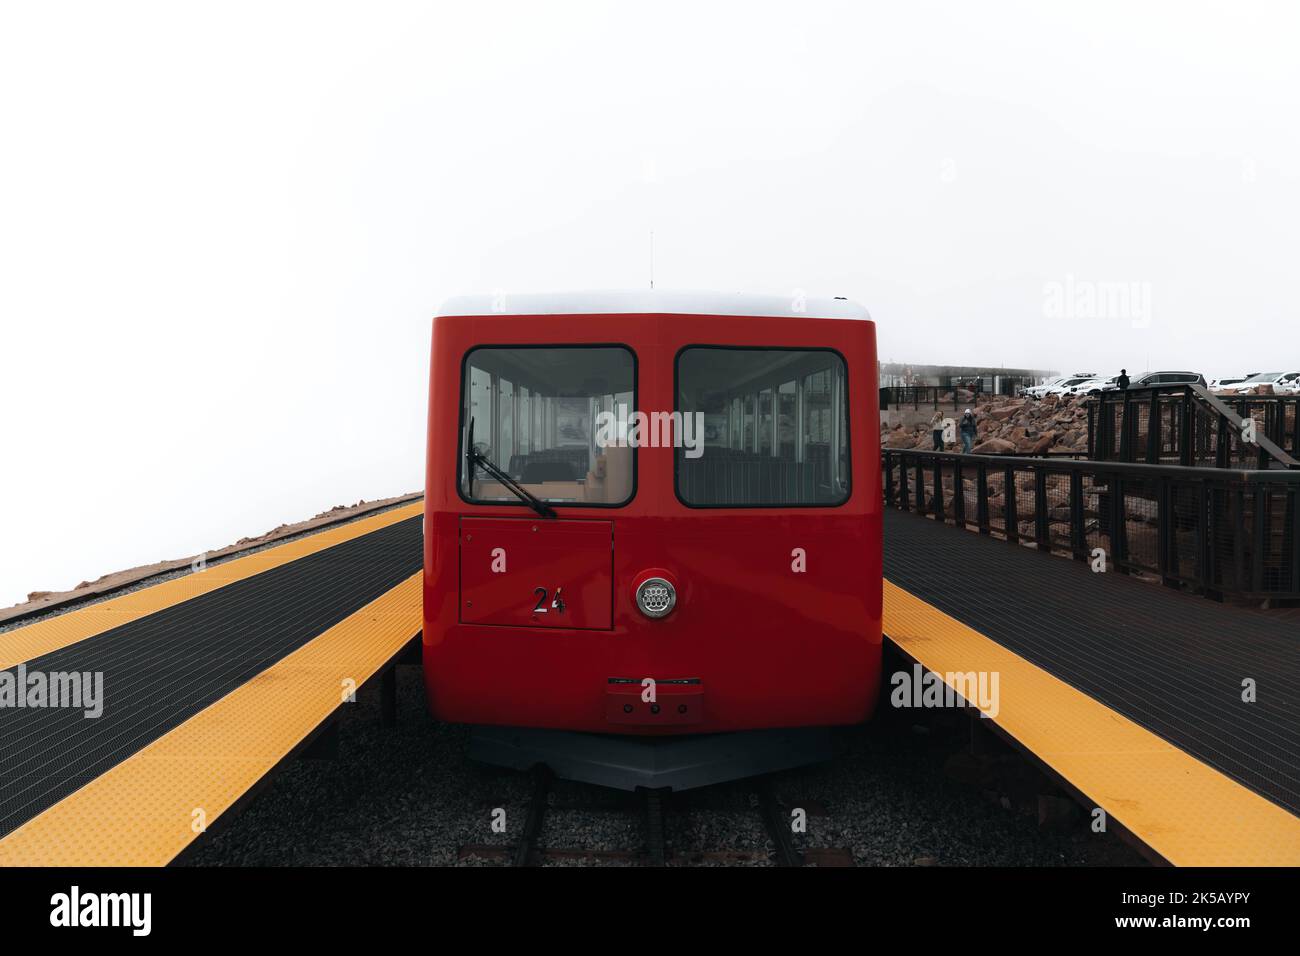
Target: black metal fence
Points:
x,y
928,396
1216,531
1187,425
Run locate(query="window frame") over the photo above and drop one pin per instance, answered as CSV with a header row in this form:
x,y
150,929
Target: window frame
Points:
x,y
458,472
848,426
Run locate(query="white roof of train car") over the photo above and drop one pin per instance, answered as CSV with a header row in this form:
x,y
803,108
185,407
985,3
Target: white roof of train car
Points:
x,y
682,303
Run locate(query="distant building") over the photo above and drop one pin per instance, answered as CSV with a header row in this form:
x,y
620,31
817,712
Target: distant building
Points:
x,y
997,381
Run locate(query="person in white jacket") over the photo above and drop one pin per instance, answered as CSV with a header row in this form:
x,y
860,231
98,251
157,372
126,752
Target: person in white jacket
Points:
x,y
936,426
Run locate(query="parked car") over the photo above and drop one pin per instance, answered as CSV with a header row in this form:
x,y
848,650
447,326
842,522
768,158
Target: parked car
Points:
x,y
1282,383
1041,391
1066,387
1151,379
1092,386
1222,384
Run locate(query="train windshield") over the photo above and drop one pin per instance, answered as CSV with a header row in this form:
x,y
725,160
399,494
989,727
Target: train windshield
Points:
x,y
775,426
538,413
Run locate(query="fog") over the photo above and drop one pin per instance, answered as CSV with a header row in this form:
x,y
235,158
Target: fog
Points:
x,y
223,229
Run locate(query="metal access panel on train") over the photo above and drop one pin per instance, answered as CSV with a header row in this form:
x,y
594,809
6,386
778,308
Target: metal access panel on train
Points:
x,y
543,572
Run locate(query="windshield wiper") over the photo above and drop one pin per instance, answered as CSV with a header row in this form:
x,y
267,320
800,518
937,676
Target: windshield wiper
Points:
x,y
474,457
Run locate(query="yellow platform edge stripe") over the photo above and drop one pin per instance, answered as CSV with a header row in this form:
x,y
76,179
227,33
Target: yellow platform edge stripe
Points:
x,y
1183,809
142,812
52,633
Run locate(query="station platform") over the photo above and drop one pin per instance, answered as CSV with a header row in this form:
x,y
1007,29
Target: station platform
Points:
x,y
210,680
1129,692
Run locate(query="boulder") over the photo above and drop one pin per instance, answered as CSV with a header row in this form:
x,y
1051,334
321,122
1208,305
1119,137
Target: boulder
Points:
x,y
994,446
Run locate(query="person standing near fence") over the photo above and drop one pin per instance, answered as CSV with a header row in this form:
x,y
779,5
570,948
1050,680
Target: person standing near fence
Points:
x,y
968,432
936,427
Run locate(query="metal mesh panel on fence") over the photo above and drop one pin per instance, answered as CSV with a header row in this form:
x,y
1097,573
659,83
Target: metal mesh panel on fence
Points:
x,y
1218,531
1186,426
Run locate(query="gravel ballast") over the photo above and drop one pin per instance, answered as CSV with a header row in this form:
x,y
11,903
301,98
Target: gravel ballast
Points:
x,y
407,795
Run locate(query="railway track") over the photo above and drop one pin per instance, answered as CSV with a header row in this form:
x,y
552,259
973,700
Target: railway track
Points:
x,y
656,846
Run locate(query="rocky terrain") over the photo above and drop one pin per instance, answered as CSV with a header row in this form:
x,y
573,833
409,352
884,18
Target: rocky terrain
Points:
x,y
1008,426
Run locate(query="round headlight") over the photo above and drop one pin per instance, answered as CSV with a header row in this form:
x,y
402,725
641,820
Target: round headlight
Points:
x,y
656,597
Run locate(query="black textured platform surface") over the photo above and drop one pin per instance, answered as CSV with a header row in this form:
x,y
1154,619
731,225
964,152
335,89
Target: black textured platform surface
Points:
x,y
1169,661
162,669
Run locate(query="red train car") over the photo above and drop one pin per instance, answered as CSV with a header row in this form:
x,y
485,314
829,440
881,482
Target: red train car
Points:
x,y
652,515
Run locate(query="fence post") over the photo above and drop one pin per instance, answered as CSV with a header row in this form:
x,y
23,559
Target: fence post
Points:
x,y
1093,418
1105,449
938,488
1118,527
1125,433
1295,427
1259,552
1291,538
1236,507
1010,516
1153,430
1164,532
1222,451
1078,539
889,478
1185,429
904,493
1205,567
1041,528
958,495
982,497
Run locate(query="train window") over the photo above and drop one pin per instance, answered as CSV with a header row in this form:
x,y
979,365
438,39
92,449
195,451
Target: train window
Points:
x,y
775,427
535,413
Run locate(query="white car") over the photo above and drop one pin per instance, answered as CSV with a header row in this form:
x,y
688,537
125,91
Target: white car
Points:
x,y
1290,385
1283,383
1038,391
1046,388
1092,386
1223,384
1066,387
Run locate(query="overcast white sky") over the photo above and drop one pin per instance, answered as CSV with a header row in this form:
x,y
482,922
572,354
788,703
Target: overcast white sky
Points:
x,y
223,227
